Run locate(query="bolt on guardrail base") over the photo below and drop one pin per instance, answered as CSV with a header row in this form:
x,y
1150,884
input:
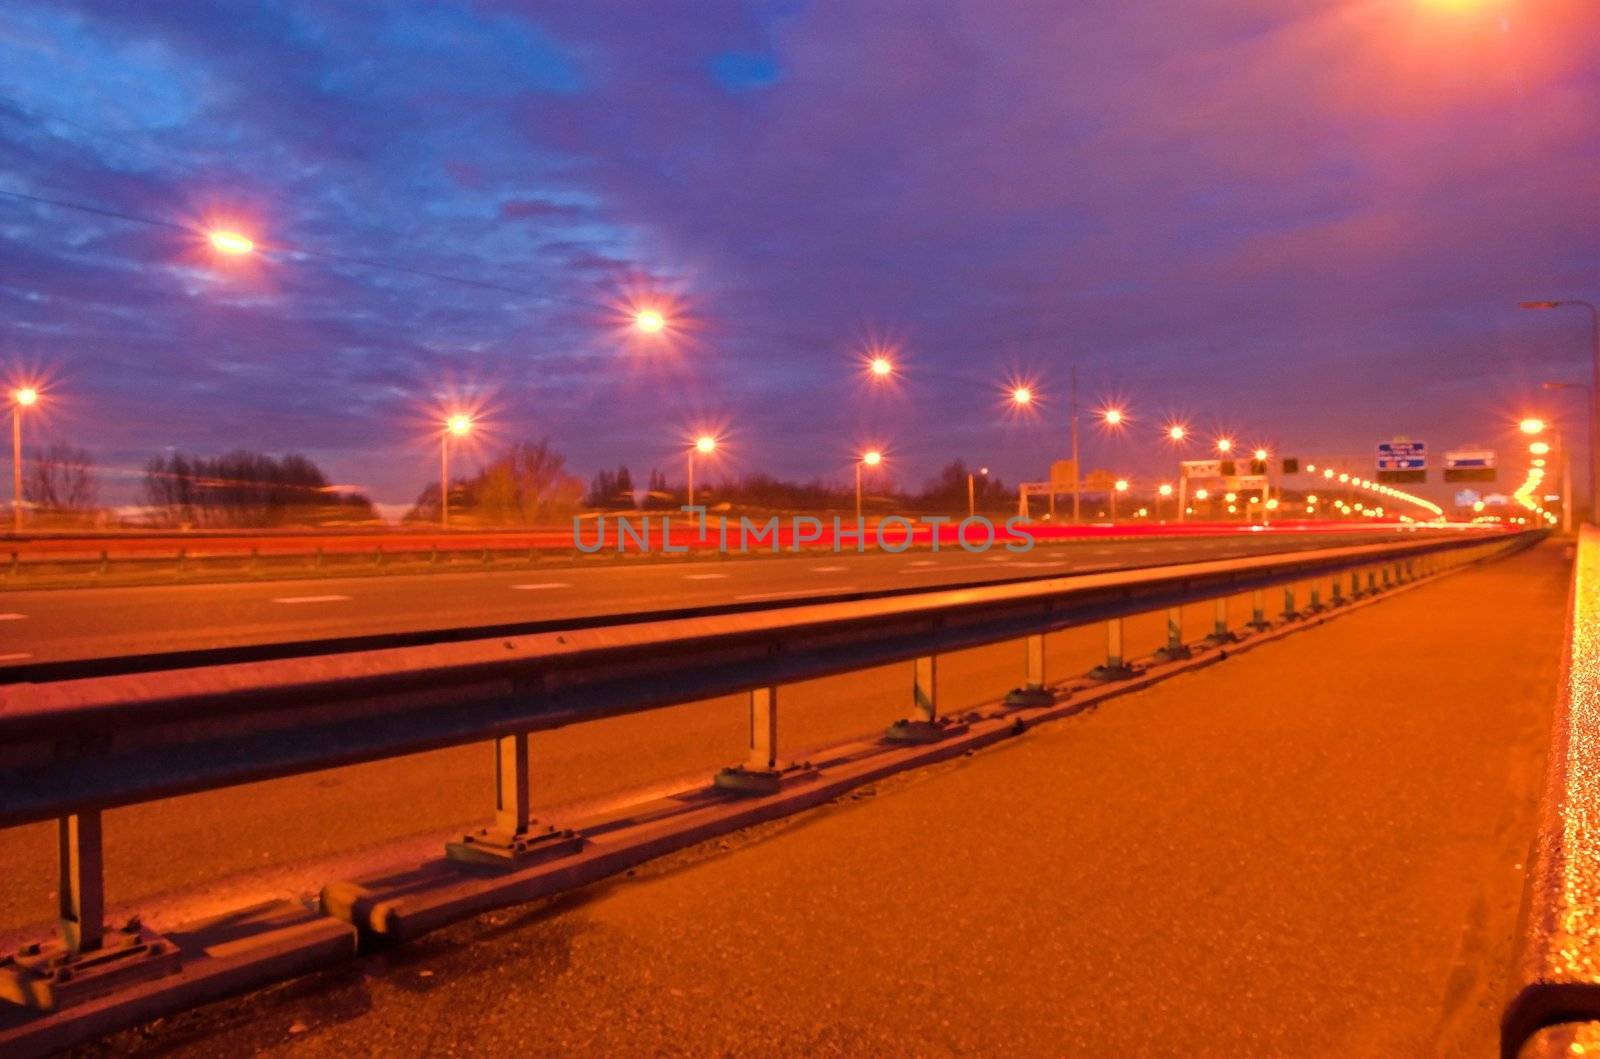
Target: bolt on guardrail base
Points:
x,y
921,730
1030,696
488,846
48,976
743,779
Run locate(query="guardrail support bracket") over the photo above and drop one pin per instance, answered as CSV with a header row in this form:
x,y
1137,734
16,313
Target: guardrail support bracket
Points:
x,y
925,725
1220,633
87,960
516,838
1175,650
761,773
1032,693
1114,667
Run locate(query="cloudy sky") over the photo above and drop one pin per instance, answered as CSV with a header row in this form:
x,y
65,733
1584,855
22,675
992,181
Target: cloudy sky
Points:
x,y
1303,223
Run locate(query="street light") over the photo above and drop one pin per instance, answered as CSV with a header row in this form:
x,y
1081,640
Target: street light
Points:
x,y
705,445
1531,426
649,321
1119,486
234,244
1163,491
1594,391
871,458
22,397
881,367
458,425
1022,397
1224,445
1112,417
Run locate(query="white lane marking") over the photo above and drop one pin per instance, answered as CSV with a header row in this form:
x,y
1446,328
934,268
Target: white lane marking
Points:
x,y
704,577
828,569
15,656
794,594
309,599
923,562
12,617
539,585
999,558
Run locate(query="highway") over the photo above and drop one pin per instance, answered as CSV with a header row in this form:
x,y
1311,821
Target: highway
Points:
x,y
39,627
1313,849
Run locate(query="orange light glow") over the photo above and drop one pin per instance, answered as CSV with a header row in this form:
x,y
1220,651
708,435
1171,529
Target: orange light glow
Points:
x,y
1224,445
705,443
459,424
1113,417
881,367
1531,426
25,396
649,321
1022,396
872,457
1177,432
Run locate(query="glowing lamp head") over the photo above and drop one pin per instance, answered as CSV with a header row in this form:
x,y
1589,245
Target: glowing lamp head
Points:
x,y
705,444
1165,489
1327,472
1112,416
1344,478
1539,448
649,321
1122,485
1531,426
1261,454
25,396
232,243
880,367
1176,433
1224,445
872,457
459,425
1201,494
1021,396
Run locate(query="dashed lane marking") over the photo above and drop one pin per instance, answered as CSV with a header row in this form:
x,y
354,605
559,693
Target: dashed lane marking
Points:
x,y
538,586
704,577
310,599
12,617
15,656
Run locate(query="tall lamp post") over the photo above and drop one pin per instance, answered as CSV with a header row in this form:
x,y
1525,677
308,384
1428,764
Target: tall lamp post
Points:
x,y
705,445
870,458
1594,389
1588,402
22,397
457,426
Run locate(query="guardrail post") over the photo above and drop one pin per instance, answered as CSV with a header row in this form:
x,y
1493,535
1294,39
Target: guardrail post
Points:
x,y
516,837
1114,667
1372,582
1174,649
1258,611
1220,633
80,897
925,725
1355,584
759,774
1290,612
1388,576
1032,692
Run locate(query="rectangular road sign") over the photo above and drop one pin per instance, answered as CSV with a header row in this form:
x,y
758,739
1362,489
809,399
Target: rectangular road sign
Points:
x,y
1402,456
1469,465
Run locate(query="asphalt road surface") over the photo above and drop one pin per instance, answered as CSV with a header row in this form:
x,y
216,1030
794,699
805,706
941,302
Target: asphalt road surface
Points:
x,y
1313,849
57,625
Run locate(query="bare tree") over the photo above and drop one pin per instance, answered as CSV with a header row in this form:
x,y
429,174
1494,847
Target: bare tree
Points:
x,y
61,478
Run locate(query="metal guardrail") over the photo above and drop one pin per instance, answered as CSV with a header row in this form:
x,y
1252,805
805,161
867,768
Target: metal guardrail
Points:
x,y
1557,977
71,749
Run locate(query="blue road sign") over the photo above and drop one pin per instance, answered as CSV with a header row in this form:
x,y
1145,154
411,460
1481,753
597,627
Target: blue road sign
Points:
x,y
1402,455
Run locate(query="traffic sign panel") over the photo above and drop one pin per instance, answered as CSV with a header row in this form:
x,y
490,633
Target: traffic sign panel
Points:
x,y
1402,455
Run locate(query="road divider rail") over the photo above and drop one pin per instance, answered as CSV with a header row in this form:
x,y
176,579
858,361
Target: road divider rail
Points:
x,y
1556,987
73,748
